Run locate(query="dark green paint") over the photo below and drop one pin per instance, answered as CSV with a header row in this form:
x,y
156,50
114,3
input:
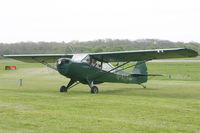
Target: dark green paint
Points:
x,y
78,67
84,72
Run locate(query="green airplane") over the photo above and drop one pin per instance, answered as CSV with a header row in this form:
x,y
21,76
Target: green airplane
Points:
x,y
95,68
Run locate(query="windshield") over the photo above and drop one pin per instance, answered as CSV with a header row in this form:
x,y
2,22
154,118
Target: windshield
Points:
x,y
86,59
78,57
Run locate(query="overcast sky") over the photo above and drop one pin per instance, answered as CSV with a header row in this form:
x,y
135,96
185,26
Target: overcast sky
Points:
x,y
83,20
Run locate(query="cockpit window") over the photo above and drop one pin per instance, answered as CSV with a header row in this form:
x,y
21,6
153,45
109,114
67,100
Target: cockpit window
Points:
x,y
86,59
107,67
96,63
104,66
79,57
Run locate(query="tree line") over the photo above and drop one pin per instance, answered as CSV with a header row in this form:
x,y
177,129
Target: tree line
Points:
x,y
101,45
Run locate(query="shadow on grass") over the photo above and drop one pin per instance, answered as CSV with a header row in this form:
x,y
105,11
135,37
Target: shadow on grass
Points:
x,y
44,91
144,92
126,91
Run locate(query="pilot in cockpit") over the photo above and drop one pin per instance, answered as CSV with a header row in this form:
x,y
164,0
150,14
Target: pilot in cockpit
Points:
x,y
95,64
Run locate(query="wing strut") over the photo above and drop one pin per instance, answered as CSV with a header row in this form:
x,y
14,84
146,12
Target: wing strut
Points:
x,y
112,69
139,74
46,64
127,67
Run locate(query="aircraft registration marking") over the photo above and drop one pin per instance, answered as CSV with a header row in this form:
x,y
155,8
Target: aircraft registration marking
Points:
x,y
160,50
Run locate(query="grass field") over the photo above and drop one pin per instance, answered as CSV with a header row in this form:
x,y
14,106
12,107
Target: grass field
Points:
x,y
166,106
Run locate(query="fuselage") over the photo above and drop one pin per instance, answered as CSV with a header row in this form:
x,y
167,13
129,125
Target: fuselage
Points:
x,y
84,72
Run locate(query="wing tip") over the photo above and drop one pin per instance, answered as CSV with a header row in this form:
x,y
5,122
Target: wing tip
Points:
x,y
191,52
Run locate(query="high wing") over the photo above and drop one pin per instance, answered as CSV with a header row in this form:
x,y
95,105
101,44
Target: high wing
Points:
x,y
123,56
32,58
144,55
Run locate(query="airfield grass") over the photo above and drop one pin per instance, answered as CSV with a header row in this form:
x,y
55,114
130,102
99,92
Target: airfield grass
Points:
x,y
167,106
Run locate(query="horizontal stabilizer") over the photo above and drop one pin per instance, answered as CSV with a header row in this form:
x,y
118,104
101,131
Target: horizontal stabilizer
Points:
x,y
138,75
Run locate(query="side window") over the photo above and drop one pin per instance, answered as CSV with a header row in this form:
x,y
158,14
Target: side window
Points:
x,y
93,62
96,63
107,67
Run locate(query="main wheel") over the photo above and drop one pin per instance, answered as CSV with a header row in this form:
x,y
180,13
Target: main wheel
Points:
x,y
94,90
63,89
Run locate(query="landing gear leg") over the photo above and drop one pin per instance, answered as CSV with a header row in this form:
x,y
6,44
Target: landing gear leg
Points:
x,y
94,89
64,89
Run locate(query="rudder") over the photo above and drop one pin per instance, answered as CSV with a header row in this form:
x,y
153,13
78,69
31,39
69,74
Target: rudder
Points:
x,y
140,72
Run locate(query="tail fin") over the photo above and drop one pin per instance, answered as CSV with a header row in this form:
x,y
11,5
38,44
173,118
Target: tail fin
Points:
x,y
140,72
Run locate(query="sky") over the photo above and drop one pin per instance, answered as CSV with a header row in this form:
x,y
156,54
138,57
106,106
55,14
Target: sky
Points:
x,y
84,20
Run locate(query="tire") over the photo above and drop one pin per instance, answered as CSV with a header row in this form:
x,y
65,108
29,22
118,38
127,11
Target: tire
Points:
x,y
94,90
63,89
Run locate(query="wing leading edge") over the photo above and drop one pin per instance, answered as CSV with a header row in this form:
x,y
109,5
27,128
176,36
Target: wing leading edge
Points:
x,y
32,58
144,55
123,56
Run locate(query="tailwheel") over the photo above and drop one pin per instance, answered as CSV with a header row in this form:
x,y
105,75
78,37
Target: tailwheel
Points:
x,y
94,90
63,89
